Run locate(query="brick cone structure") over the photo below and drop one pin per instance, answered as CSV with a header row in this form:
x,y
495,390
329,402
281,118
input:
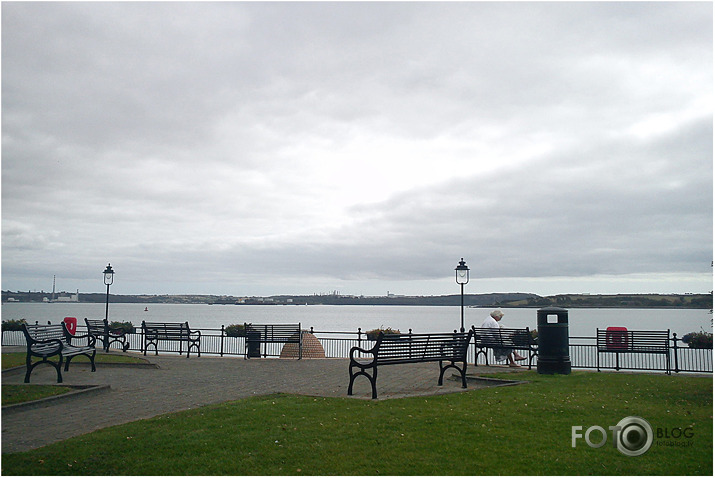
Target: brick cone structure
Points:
x,y
312,348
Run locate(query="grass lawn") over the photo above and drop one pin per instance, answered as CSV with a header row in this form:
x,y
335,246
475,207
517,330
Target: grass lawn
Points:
x,y
519,430
12,394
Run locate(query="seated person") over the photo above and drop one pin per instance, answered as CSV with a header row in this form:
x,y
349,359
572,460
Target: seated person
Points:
x,y
501,354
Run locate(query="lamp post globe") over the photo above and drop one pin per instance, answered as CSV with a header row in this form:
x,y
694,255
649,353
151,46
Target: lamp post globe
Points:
x,y
108,280
461,273
108,275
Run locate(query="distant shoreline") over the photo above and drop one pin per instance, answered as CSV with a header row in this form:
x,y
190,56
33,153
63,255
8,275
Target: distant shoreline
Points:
x,y
506,300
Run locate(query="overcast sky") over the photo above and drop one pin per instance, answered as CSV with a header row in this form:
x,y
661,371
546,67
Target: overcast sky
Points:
x,y
267,148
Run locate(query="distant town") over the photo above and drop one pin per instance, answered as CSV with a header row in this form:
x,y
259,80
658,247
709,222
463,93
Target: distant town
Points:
x,y
509,299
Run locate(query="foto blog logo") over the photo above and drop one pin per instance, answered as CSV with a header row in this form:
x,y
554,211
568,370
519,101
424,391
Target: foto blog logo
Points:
x,y
633,436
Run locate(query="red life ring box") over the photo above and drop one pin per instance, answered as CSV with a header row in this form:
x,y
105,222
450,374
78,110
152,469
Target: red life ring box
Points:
x,y
71,324
617,338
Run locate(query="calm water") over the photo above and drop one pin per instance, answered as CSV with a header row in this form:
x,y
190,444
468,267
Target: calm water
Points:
x,y
582,322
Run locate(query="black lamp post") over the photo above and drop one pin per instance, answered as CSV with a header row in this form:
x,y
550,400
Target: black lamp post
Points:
x,y
462,276
108,279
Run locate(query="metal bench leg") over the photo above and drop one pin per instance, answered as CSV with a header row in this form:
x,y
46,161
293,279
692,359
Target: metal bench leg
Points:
x,y
352,379
67,363
86,354
28,367
372,379
373,382
59,369
462,372
91,359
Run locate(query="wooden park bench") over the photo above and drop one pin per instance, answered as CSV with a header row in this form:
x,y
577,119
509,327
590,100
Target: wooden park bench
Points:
x,y
257,334
101,331
503,338
633,342
153,332
46,341
393,349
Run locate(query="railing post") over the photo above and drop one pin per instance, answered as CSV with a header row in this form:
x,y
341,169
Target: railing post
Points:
x,y
410,339
222,334
359,337
675,351
475,350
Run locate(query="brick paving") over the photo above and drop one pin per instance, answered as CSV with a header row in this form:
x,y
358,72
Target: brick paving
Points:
x,y
180,383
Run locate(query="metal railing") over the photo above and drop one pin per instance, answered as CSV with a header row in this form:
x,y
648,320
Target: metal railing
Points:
x,y
583,350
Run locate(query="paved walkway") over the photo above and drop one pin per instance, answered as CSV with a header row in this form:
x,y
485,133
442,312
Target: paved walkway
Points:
x,y
180,383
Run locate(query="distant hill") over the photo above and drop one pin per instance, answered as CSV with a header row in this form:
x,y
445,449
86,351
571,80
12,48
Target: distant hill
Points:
x,y
632,301
507,299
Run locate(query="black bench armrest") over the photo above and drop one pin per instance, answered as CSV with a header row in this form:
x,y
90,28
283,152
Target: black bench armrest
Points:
x,y
359,350
372,351
91,339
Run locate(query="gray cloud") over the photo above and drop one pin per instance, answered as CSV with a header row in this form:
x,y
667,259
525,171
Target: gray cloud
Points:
x,y
219,145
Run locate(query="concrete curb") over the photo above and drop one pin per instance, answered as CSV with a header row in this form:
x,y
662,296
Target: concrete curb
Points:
x,y
81,390
494,382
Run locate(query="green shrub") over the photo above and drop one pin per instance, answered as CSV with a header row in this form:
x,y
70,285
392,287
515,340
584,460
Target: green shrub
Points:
x,y
698,340
127,327
13,324
235,330
372,334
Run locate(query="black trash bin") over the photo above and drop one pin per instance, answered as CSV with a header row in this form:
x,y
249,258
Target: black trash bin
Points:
x,y
553,341
253,339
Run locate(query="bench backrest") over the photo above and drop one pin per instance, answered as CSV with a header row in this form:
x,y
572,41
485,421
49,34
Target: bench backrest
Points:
x,y
503,337
96,327
643,341
279,333
166,330
405,348
37,333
